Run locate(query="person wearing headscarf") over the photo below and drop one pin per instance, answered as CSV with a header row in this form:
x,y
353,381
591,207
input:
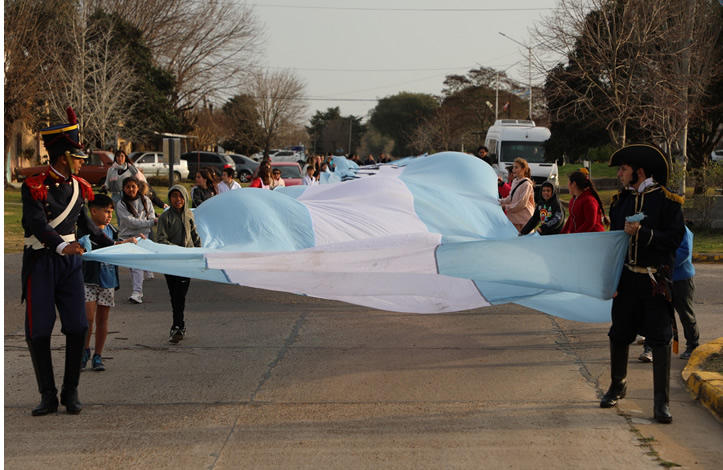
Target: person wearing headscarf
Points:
x,y
549,214
176,226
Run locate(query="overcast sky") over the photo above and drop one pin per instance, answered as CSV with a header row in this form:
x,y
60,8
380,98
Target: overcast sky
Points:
x,y
351,52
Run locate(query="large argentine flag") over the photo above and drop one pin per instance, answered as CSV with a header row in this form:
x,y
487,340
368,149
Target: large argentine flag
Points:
x,y
427,236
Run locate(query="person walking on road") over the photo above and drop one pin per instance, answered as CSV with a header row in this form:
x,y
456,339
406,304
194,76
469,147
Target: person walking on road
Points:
x,y
586,209
53,209
653,218
519,205
683,291
136,216
176,226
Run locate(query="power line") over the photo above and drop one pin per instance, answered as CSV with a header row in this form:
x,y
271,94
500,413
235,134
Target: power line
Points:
x,y
372,70
433,10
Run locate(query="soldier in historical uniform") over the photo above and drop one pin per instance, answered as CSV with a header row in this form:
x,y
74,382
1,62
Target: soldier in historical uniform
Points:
x,y
653,218
53,206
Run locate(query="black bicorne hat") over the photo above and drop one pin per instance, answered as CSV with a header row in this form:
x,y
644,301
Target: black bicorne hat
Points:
x,y
63,138
644,156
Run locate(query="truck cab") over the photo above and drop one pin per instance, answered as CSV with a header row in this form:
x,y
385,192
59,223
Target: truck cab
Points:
x,y
508,139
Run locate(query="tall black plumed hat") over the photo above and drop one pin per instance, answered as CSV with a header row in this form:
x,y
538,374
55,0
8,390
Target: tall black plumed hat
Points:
x,y
63,138
645,156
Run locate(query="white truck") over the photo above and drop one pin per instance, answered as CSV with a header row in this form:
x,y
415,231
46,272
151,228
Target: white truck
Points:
x,y
508,139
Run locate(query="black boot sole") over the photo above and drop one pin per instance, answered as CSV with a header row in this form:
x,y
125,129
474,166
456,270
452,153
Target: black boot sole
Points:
x,y
71,408
44,411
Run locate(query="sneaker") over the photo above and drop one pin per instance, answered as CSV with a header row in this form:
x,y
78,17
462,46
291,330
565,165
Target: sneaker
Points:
x,y
148,276
86,358
97,363
639,340
177,334
646,355
136,298
688,351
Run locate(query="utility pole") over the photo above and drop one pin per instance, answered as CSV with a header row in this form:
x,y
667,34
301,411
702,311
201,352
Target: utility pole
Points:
x,y
351,118
529,58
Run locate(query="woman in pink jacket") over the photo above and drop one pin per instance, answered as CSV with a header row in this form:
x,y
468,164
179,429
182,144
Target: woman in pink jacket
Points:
x,y
519,205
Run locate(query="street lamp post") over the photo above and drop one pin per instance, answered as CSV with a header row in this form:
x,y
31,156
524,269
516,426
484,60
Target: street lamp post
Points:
x,y
529,57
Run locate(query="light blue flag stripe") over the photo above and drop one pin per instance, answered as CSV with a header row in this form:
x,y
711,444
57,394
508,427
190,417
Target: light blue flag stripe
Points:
x,y
453,195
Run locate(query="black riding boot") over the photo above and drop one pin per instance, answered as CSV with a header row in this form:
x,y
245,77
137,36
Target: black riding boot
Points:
x,y
74,345
661,384
618,373
43,366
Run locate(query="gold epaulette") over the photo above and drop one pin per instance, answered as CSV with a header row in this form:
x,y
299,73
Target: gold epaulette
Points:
x,y
672,196
616,196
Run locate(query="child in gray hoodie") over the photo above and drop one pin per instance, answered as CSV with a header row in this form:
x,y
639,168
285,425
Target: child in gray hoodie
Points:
x,y
177,227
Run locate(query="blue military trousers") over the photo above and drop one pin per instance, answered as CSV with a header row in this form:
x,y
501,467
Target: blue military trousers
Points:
x,y
55,282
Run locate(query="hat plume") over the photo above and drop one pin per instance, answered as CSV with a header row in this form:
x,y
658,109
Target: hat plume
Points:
x,y
71,116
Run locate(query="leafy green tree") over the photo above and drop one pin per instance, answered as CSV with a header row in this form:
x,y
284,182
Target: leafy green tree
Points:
x,y
330,131
397,116
243,131
153,112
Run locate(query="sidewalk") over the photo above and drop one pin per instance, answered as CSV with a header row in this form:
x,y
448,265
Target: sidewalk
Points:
x,y
704,385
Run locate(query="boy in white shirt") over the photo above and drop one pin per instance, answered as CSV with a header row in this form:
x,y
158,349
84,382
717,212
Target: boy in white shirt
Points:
x,y
227,182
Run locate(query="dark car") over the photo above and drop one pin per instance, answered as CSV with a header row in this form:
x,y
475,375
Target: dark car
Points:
x,y
94,169
290,172
245,166
201,159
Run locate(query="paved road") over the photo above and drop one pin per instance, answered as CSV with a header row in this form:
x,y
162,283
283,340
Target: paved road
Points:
x,y
272,380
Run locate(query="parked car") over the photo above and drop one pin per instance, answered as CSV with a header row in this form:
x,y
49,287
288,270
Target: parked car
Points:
x,y
154,164
716,156
200,159
258,156
290,172
288,156
93,171
245,166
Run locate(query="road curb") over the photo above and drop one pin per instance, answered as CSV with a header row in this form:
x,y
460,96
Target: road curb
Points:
x,y
703,385
707,258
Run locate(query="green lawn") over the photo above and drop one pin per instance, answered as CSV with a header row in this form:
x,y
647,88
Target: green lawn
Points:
x,y
704,241
597,170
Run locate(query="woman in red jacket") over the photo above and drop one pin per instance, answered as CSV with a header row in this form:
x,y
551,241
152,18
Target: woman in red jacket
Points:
x,y
586,208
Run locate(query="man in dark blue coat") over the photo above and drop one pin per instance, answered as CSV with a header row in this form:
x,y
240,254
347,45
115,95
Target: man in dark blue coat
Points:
x,y
653,218
53,207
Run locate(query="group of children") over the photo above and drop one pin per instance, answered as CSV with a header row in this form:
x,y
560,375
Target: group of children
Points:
x,y
136,218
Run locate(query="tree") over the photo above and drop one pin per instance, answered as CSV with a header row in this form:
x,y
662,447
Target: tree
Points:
x,y
398,115
374,143
209,128
26,22
466,111
153,86
329,131
278,102
241,122
87,69
631,64
209,47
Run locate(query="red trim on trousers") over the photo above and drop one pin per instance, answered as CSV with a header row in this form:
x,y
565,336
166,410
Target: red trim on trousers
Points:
x,y
29,300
